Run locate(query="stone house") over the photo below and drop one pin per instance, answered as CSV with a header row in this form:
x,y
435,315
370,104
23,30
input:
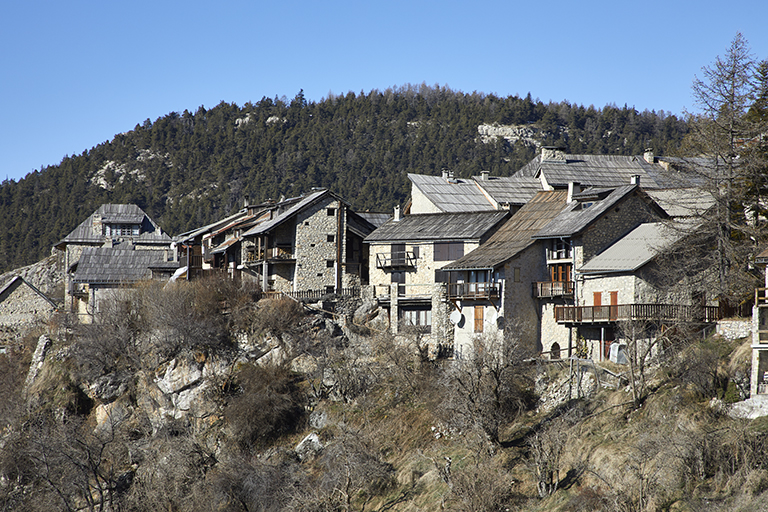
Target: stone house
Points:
x,y
312,243
111,226
406,255
491,286
593,220
22,305
217,247
101,271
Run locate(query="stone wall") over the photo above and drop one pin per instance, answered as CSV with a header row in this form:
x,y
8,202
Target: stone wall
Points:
x,y
617,222
316,256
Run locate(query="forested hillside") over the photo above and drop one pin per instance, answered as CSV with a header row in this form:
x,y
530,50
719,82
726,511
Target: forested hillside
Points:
x,y
185,169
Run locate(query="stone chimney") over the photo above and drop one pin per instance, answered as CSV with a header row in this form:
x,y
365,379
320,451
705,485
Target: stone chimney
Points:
x,y
397,216
573,188
484,175
635,179
648,156
98,228
553,154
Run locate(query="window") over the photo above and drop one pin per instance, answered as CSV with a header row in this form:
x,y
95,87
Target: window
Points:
x,y
329,263
560,272
420,317
516,271
330,212
330,238
448,251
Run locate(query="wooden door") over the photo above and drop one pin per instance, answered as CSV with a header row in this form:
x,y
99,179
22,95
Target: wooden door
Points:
x,y
614,313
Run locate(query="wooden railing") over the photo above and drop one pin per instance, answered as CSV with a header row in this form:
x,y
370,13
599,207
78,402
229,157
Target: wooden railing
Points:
x,y
196,261
624,312
396,259
761,296
484,290
552,289
313,294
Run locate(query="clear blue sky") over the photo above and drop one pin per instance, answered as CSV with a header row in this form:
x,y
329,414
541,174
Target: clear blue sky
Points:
x,y
73,74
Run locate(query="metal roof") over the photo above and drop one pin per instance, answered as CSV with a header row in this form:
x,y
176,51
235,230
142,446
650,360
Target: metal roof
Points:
x,y
637,248
683,202
286,210
375,218
438,226
516,190
122,214
610,171
575,218
452,194
103,265
516,234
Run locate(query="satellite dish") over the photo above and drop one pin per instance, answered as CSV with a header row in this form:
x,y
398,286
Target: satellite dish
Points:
x,y
500,322
456,317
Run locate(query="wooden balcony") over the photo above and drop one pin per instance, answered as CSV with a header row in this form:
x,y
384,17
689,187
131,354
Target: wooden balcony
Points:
x,y
761,296
551,289
636,312
403,259
473,291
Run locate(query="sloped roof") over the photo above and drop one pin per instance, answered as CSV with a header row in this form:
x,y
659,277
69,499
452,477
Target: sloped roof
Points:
x,y
683,202
286,210
105,265
375,218
607,171
516,234
637,248
438,226
574,219
516,190
117,213
451,195
17,281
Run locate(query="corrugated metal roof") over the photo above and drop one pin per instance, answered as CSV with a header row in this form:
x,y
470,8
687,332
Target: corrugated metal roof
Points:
x,y
117,213
515,235
515,190
99,265
574,219
609,171
637,248
456,195
438,226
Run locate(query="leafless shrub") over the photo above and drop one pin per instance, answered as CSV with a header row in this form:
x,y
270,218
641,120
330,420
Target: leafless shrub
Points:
x,y
351,474
489,387
267,403
277,316
483,487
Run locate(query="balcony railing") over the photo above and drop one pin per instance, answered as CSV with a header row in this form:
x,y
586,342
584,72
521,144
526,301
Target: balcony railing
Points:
x,y
195,261
548,289
761,296
470,291
396,259
642,312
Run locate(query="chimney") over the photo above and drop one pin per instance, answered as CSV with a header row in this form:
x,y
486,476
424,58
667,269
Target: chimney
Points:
x,y
635,179
98,229
484,175
397,217
553,154
245,201
648,156
445,174
573,188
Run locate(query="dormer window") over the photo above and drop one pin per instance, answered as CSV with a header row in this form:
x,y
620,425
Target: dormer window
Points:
x,y
115,230
586,204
